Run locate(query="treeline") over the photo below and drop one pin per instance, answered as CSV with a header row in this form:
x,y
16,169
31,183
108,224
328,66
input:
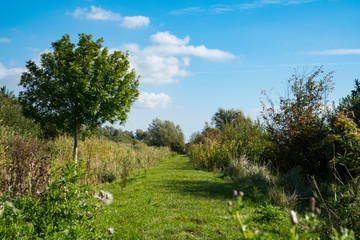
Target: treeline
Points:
x,y
302,146
159,133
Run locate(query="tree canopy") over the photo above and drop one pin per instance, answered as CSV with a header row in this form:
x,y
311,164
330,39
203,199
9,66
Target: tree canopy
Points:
x,y
79,85
227,117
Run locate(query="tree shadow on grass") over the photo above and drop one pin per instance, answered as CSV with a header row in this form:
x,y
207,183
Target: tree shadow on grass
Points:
x,y
204,189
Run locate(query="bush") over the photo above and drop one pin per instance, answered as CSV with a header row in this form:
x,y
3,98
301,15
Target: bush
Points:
x,y
347,142
298,128
24,166
235,135
63,210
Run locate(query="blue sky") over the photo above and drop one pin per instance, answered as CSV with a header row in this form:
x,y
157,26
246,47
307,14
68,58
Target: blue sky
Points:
x,y
195,56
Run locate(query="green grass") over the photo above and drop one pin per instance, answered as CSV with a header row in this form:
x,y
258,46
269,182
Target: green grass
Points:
x,y
174,201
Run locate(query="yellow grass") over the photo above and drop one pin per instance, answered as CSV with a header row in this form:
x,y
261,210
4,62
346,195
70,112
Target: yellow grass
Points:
x,y
102,156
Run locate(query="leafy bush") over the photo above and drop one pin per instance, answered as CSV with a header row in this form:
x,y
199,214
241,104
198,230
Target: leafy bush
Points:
x,y
298,129
347,141
234,135
62,210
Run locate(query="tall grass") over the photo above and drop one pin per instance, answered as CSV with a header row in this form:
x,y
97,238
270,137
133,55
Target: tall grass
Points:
x,y
106,160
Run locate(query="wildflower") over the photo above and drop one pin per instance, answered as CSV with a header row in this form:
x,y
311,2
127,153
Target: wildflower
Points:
x,y
241,194
293,217
38,192
110,231
235,193
104,197
229,204
312,204
75,192
318,210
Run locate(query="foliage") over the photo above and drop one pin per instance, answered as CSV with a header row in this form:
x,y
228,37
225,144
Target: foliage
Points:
x,y
165,133
347,142
76,86
297,128
342,210
307,227
11,115
62,210
227,117
24,166
352,103
117,135
214,148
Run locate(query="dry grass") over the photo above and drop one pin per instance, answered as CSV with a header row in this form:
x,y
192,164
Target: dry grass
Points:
x,y
106,160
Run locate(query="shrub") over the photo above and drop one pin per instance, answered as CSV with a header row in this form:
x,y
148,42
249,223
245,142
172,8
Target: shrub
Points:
x,y
298,128
62,210
24,167
347,141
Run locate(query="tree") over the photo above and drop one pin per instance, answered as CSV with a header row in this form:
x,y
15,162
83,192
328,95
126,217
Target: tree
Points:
x,y
298,127
224,117
165,133
75,86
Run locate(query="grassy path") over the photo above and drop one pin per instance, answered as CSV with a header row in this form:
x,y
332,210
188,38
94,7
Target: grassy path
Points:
x,y
171,201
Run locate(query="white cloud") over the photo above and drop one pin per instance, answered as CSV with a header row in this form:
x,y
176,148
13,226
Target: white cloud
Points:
x,y
162,62
166,38
10,77
96,13
135,22
336,52
5,40
100,14
157,69
153,101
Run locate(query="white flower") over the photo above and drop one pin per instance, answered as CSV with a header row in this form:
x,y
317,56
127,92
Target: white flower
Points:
x,y
104,197
110,231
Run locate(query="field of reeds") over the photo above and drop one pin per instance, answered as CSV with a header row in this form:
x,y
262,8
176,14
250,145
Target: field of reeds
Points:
x,y
106,160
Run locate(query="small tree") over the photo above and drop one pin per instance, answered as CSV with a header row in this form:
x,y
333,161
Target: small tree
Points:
x,y
298,126
83,85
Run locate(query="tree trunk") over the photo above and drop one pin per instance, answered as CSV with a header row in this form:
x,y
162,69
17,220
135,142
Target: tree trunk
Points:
x,y
75,153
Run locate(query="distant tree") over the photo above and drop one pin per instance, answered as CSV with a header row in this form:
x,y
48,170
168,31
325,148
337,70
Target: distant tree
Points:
x,y
11,115
165,133
83,85
140,134
225,117
352,103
